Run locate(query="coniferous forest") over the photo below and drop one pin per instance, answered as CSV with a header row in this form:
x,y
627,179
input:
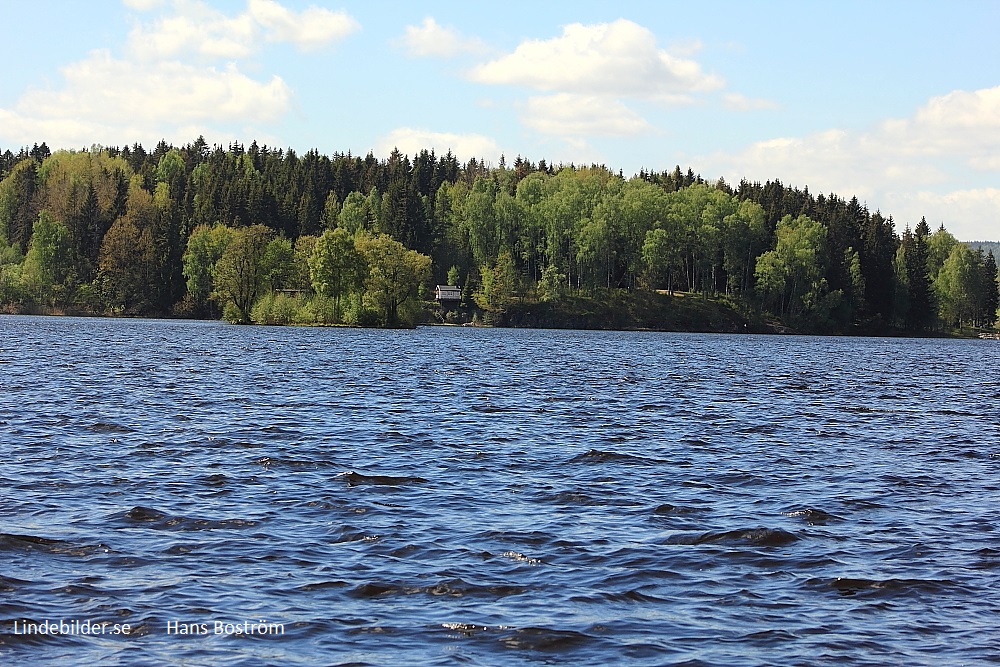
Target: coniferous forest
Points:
x,y
258,234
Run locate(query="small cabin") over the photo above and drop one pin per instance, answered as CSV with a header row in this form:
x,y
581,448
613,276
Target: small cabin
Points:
x,y
447,293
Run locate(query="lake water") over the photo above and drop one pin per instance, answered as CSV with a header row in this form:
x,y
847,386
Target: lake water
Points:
x,y
454,496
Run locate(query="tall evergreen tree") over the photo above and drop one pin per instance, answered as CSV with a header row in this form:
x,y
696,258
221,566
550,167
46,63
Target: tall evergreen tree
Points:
x,y
991,279
921,311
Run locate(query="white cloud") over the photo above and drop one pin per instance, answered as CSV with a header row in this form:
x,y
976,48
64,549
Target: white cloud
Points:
x,y
179,74
194,29
119,91
142,5
740,102
619,58
431,39
567,114
961,123
907,167
591,72
970,214
116,101
464,146
310,29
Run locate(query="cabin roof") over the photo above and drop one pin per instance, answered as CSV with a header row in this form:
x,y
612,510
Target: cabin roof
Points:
x,y
451,292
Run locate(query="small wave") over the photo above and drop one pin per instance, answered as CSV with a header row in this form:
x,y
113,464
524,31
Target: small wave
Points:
x,y
321,585
451,588
348,533
12,542
814,517
862,586
584,499
768,537
544,639
162,520
633,595
8,584
489,409
514,555
107,427
216,480
598,456
667,508
140,513
357,479
268,461
528,638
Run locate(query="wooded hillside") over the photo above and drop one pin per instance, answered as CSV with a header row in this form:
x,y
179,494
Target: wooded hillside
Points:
x,y
266,234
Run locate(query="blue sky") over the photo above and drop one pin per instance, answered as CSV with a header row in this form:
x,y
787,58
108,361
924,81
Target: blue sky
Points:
x,y
895,102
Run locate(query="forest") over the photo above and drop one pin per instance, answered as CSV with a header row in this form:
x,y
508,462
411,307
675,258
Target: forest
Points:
x,y
266,235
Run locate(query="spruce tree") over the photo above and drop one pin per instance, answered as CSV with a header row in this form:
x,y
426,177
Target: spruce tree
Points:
x,y
921,298
991,280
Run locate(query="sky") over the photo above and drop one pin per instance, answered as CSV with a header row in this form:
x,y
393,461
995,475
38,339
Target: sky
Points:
x,y
897,103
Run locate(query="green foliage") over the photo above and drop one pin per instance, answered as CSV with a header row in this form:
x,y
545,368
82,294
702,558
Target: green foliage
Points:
x,y
243,271
991,299
134,255
965,288
354,215
317,309
205,247
139,231
10,274
170,167
335,266
331,211
394,278
497,288
280,265
552,286
276,308
454,277
303,249
939,247
18,208
47,265
660,256
790,277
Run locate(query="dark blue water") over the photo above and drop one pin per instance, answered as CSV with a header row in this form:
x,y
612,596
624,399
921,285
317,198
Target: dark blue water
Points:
x,y
495,497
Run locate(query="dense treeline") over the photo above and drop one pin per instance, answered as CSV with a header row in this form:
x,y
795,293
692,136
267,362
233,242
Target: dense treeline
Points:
x,y
262,234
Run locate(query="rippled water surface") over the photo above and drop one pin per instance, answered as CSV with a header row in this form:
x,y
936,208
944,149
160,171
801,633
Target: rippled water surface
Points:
x,y
493,497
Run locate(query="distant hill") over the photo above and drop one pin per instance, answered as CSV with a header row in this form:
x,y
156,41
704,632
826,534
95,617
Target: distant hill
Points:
x,y
986,246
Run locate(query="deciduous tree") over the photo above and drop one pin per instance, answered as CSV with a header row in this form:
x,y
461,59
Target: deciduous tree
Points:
x,y
243,270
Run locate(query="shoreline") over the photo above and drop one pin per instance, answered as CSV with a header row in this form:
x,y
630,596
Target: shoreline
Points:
x,y
579,322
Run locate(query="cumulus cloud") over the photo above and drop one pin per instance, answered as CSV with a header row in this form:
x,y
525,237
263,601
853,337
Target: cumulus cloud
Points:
x,y
962,123
619,58
196,28
309,29
568,114
909,167
464,146
431,39
969,214
591,74
178,77
117,101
